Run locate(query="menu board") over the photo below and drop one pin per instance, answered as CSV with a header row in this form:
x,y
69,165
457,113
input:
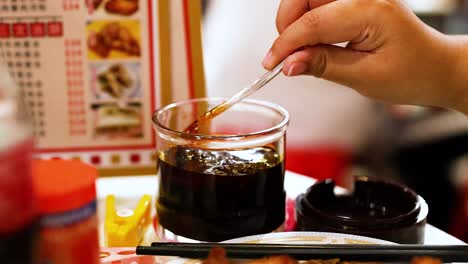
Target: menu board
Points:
x,y
93,71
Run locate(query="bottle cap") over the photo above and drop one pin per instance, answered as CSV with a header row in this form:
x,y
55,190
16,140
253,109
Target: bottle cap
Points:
x,y
63,185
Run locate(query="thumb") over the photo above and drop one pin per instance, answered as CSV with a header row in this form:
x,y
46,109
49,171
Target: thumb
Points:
x,y
342,65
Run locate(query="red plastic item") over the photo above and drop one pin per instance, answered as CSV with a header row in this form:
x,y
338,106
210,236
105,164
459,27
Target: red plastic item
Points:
x,y
319,162
63,185
291,221
67,202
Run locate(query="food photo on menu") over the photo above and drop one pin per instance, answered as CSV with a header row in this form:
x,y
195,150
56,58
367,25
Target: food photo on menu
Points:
x,y
113,39
115,81
113,121
233,131
117,7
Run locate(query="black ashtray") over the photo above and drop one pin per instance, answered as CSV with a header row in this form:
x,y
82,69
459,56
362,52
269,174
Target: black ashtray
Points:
x,y
375,208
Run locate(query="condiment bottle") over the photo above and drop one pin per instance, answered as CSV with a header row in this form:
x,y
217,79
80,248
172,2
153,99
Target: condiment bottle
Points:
x,y
18,214
66,196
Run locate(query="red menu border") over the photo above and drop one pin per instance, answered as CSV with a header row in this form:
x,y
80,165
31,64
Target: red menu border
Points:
x,y
188,48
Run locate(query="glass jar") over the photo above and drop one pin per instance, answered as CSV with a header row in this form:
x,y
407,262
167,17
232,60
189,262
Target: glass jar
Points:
x,y
228,180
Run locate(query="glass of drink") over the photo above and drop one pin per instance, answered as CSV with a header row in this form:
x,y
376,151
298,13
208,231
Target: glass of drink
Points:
x,y
228,180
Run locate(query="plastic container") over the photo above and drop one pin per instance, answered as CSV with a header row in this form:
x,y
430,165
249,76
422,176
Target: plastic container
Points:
x,y
125,227
18,213
67,203
375,208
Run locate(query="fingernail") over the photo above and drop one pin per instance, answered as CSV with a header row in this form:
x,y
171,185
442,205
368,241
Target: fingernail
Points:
x,y
268,60
297,69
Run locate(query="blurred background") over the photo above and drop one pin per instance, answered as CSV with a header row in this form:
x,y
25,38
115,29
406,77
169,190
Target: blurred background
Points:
x,y
335,132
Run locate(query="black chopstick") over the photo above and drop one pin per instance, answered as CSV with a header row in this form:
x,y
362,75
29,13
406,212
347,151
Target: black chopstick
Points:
x,y
383,253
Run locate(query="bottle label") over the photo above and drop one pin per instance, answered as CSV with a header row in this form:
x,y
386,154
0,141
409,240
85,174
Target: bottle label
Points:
x,y
70,217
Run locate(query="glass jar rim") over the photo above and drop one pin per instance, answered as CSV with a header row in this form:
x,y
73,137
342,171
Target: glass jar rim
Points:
x,y
272,106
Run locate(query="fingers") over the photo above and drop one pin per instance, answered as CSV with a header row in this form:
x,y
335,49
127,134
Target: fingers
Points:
x,y
323,25
291,10
316,3
330,62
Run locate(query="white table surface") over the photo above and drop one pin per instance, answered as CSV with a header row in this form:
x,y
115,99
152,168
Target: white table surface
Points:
x,y
128,191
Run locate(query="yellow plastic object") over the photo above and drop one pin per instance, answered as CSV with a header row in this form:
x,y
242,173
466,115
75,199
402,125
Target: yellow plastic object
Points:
x,y
126,228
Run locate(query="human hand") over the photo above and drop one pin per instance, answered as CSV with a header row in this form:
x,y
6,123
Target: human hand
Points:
x,y
391,55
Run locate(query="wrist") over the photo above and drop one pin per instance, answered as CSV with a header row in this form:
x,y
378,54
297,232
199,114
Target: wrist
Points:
x,y
458,76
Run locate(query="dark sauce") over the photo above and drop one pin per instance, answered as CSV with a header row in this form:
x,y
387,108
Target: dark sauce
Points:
x,y
217,195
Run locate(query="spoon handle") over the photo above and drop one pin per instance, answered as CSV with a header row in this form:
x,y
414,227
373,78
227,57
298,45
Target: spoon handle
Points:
x,y
256,85
217,110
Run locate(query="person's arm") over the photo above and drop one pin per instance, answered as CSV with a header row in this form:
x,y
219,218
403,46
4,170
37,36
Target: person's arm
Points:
x,y
391,55
460,74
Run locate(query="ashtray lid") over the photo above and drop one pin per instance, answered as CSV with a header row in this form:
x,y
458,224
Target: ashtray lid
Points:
x,y
372,204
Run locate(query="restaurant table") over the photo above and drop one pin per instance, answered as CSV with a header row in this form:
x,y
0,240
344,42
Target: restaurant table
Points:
x,y
129,189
